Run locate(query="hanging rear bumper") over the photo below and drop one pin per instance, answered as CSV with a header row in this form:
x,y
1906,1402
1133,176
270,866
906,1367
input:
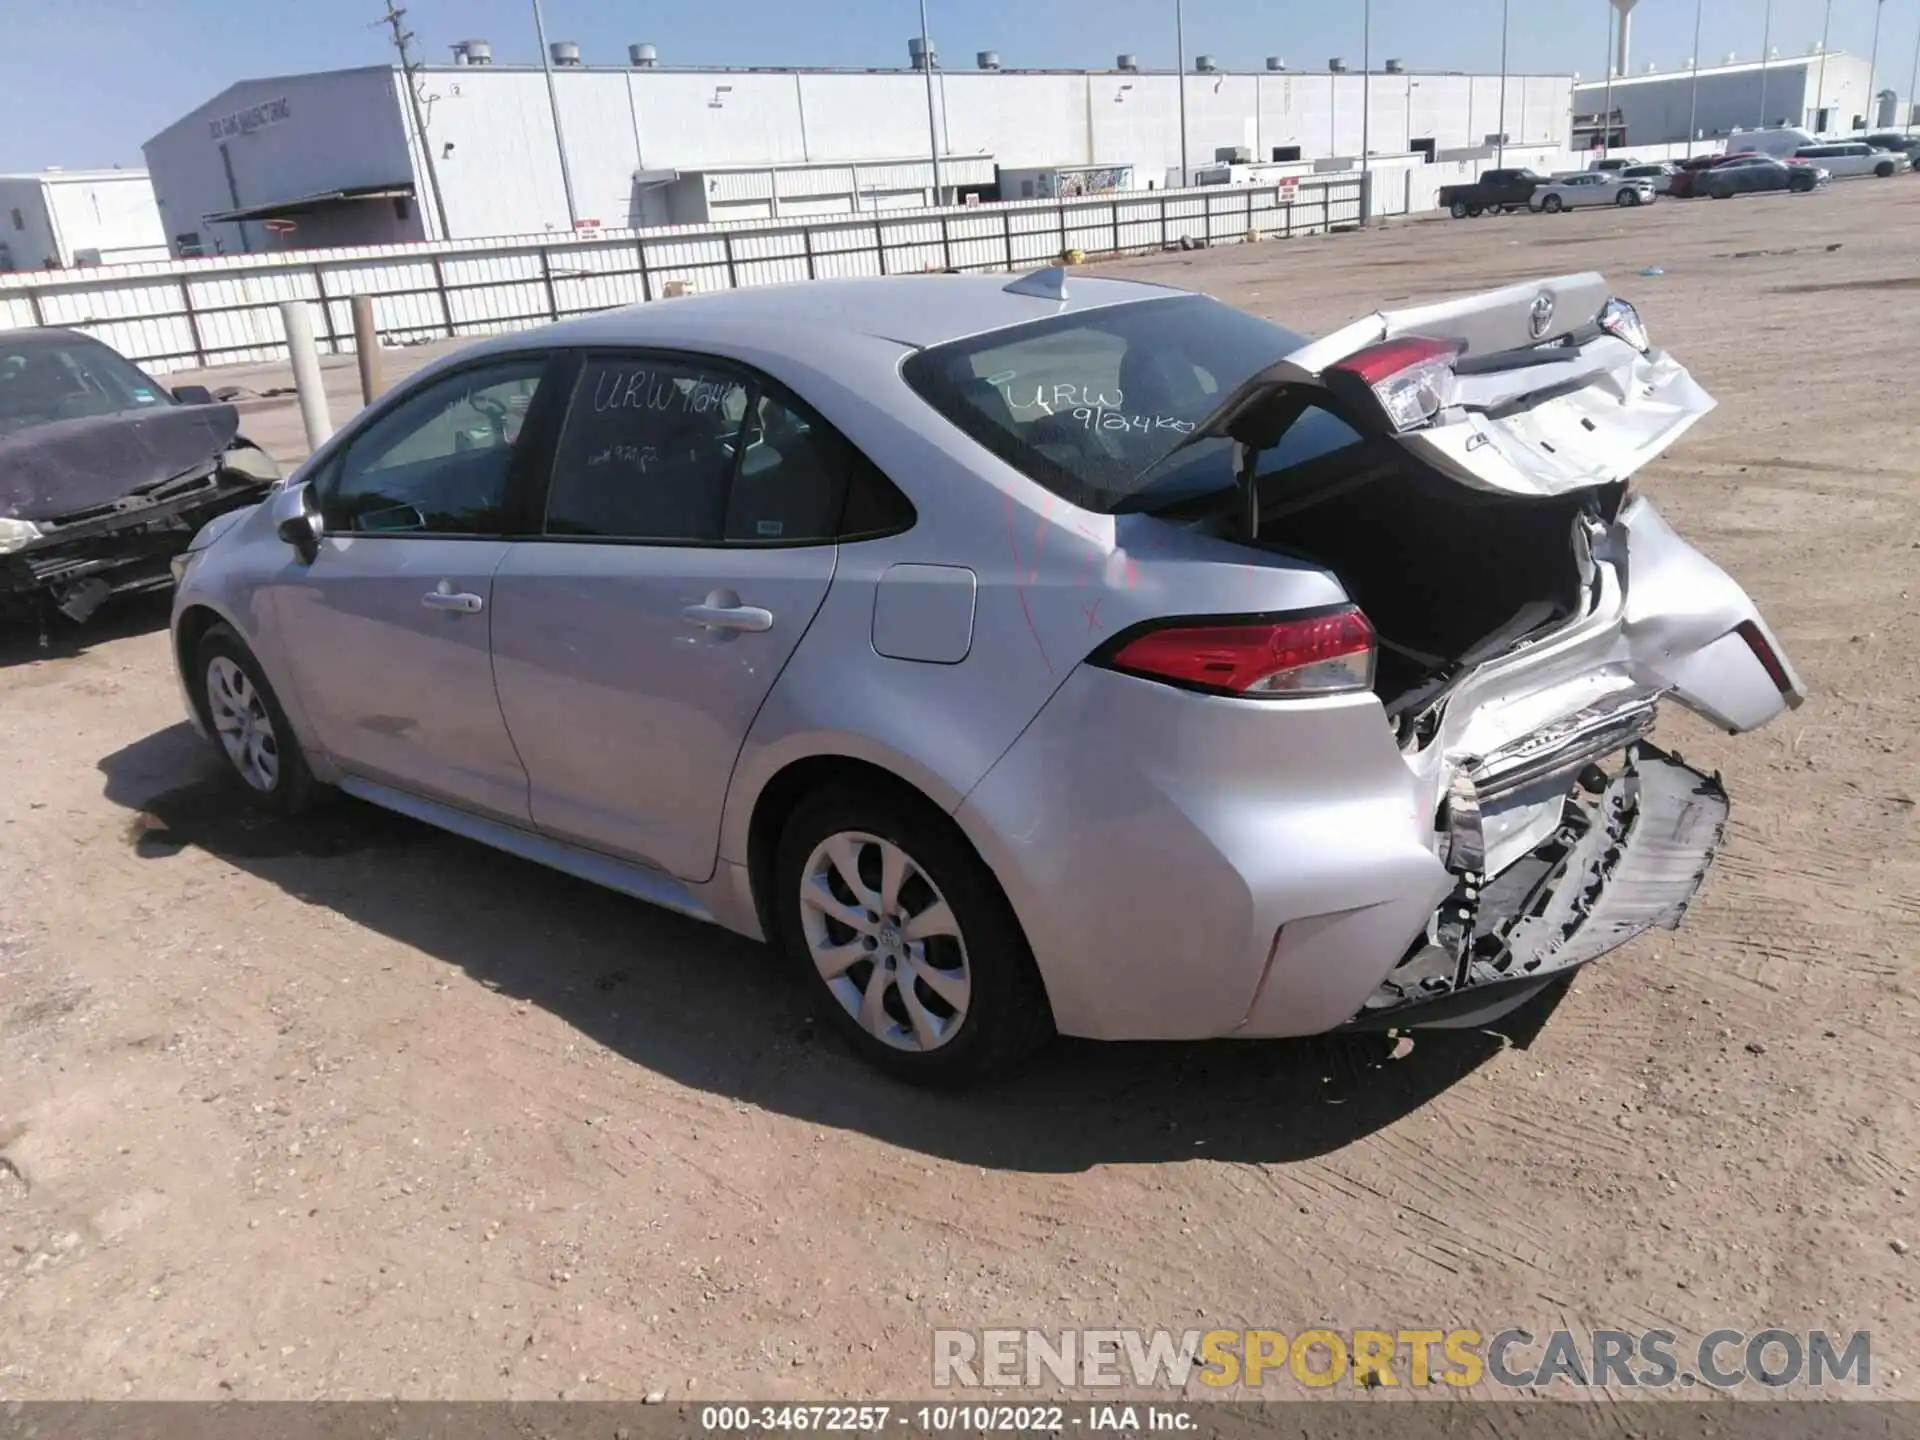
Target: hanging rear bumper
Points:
x,y
1623,862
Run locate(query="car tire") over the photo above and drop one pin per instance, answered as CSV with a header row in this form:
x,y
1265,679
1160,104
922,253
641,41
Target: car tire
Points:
x,y
1474,212
1627,198
1553,205
1458,209
972,1005
249,730
1883,169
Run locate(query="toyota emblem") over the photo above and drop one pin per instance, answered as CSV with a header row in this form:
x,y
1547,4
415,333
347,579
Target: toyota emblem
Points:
x,y
1541,315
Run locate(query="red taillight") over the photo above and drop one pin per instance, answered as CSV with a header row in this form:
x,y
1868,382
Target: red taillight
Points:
x,y
1290,655
1763,652
1411,379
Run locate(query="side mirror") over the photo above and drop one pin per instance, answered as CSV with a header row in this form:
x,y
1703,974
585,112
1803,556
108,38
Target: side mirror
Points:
x,y
193,394
302,532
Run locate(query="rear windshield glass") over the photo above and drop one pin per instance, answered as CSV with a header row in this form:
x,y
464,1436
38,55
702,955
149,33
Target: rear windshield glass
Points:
x,y
1088,404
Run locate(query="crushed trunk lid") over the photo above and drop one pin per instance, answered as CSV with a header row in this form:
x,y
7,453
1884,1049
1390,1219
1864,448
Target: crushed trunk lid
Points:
x,y
1542,398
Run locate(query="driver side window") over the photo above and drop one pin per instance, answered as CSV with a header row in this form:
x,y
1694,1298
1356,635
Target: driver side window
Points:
x,y
438,463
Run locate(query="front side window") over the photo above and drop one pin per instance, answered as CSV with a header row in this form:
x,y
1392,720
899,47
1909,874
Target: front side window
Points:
x,y
1086,404
438,462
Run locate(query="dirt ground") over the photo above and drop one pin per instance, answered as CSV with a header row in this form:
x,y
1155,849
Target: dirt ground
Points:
x,y
352,1108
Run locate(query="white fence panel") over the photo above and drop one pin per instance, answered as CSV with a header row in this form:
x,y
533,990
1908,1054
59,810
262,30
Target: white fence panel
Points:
x,y
188,313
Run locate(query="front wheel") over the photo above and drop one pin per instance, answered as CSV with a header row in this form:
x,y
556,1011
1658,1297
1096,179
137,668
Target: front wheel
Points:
x,y
1553,204
247,724
1627,197
1883,169
908,938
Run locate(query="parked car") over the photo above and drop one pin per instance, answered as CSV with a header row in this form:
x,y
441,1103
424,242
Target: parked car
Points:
x,y
1686,174
1746,174
1064,654
1908,145
1495,190
1853,158
1779,141
105,474
1659,175
1594,187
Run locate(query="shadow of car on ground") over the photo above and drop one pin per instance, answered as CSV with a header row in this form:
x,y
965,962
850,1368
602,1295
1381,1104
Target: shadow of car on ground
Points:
x,y
713,1011
22,637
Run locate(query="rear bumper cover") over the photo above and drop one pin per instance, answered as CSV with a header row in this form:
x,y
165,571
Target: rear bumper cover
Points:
x,y
1623,863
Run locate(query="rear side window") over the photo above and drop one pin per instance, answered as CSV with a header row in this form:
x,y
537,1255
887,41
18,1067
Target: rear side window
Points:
x,y
1086,404
678,450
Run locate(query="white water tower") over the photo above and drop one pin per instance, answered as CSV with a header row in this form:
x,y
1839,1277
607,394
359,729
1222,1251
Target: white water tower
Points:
x,y
1624,9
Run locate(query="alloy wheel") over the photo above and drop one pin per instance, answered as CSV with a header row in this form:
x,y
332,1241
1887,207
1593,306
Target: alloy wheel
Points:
x,y
885,941
241,721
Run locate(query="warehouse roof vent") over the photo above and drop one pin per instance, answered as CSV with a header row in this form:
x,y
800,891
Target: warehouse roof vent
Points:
x,y
1205,64
1274,62
1396,67
922,52
643,57
473,52
988,59
565,52
1127,62
1337,66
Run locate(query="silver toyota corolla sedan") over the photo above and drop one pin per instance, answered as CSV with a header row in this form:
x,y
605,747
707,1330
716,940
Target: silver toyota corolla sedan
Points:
x,y
1057,655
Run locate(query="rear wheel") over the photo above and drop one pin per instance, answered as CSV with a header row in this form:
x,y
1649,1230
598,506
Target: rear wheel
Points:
x,y
906,933
247,724
1458,210
1553,204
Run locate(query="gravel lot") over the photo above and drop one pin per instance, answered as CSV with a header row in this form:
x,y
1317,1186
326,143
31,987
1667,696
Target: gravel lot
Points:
x,y
352,1108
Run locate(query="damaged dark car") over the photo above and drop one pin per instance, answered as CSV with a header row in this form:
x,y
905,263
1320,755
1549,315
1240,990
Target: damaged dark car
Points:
x,y
105,475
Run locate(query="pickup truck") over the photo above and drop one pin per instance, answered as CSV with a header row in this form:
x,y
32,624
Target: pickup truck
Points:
x,y
1495,190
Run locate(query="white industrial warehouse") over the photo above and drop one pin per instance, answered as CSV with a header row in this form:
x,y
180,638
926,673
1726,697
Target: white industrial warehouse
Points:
x,y
1825,93
59,219
347,157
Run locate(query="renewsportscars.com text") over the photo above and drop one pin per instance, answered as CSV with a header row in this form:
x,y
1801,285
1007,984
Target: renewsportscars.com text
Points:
x,y
1410,1358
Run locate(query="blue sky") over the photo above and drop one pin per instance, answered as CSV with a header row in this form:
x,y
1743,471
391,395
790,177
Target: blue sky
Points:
x,y
84,82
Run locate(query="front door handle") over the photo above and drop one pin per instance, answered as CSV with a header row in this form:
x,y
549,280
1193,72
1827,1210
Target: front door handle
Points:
x,y
728,616
447,598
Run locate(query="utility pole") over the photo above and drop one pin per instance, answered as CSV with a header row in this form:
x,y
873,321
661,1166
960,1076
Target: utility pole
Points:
x,y
1366,109
1913,80
553,102
1873,66
933,131
1693,102
1820,88
1180,46
1500,157
409,73
1606,114
1766,56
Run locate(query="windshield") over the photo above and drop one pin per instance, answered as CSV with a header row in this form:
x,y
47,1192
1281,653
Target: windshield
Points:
x,y
1090,404
44,378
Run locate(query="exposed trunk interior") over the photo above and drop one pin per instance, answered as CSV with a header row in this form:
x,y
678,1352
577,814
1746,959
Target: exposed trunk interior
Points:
x,y
1450,576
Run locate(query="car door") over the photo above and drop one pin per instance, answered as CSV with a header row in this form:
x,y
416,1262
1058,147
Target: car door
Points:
x,y
687,539
387,628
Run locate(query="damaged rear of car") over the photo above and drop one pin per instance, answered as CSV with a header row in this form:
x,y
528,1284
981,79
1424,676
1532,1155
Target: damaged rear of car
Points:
x,y
1514,612
105,476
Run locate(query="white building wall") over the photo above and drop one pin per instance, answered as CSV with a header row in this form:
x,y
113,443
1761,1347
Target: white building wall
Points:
x,y
338,129
1655,109
26,230
112,217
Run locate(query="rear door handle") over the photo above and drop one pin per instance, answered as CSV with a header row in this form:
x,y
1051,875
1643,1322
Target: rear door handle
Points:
x,y
729,617
446,598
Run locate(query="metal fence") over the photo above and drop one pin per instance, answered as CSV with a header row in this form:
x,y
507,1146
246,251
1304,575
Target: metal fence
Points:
x,y
190,314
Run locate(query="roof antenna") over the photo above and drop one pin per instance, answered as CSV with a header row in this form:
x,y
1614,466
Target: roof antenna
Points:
x,y
1047,284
